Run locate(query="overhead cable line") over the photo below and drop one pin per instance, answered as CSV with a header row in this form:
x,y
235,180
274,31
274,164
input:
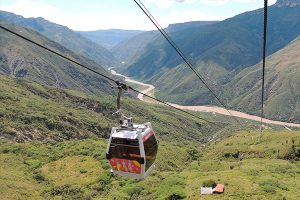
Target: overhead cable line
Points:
x,y
264,64
100,74
180,53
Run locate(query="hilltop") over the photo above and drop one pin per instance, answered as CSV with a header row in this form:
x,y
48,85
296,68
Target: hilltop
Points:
x,y
64,36
290,3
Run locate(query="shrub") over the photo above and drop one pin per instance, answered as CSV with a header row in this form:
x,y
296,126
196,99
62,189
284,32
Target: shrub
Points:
x,y
5,151
104,164
83,171
33,163
232,154
39,178
67,191
105,178
131,190
297,152
193,154
209,183
176,196
269,188
254,172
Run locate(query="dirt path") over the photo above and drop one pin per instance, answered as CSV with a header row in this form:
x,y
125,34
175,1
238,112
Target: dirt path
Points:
x,y
210,109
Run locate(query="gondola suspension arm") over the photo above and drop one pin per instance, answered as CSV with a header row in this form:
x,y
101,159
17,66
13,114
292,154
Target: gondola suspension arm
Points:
x,y
125,122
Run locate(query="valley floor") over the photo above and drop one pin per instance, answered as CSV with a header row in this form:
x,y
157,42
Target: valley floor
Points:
x,y
149,90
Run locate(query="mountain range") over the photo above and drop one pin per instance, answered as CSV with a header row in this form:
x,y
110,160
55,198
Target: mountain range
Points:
x,y
64,36
20,59
227,54
110,38
220,52
130,50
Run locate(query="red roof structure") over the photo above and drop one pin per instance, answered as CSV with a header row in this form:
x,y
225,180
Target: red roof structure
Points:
x,y
219,188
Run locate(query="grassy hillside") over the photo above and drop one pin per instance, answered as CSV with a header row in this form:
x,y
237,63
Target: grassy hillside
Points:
x,y
19,58
282,98
64,36
53,145
76,169
30,111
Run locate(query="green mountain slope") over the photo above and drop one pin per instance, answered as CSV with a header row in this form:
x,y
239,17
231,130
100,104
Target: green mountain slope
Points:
x,y
130,50
64,36
243,92
29,111
282,98
233,44
19,58
110,38
218,50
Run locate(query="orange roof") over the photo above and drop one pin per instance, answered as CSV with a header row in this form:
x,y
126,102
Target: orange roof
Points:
x,y
219,188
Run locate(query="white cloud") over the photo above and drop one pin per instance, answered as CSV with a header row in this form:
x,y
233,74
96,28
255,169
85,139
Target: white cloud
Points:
x,y
160,3
77,21
166,3
93,21
31,8
88,21
169,3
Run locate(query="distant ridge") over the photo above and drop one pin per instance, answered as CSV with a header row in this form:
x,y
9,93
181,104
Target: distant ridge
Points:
x,y
64,36
187,25
290,3
111,37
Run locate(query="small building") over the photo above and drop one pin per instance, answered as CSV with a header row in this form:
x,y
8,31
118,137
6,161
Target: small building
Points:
x,y
219,189
206,190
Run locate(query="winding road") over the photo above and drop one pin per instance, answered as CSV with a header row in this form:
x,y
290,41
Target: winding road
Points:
x,y
210,109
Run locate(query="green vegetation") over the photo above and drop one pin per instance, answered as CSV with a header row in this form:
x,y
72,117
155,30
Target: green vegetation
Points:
x,y
219,52
19,58
63,36
53,141
29,111
282,79
53,147
209,183
77,169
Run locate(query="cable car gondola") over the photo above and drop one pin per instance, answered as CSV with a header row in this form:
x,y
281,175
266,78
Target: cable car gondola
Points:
x,y
132,148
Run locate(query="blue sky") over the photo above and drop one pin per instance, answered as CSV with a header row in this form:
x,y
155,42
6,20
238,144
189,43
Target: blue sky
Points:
x,y
124,14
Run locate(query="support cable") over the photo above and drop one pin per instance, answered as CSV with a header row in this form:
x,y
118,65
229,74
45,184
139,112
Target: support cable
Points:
x,y
264,65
